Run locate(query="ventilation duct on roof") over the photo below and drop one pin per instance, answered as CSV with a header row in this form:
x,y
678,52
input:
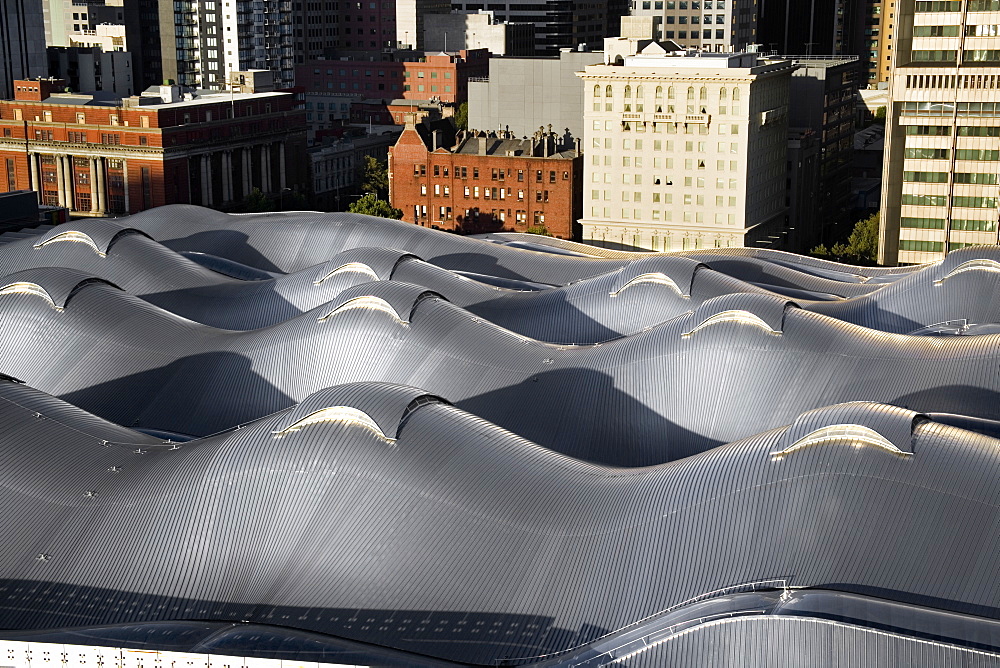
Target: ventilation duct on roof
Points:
x,y
72,235
350,267
655,278
29,289
740,317
366,302
972,265
342,414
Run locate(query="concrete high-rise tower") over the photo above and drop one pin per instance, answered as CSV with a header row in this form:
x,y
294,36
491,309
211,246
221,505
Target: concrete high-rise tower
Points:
x,y
942,150
22,43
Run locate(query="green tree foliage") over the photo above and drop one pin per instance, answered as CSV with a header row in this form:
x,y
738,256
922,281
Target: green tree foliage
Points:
x,y
257,202
862,245
880,115
540,230
462,116
371,205
375,177
820,251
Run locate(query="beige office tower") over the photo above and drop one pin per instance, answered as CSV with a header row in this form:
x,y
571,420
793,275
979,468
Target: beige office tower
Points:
x,y
942,150
684,150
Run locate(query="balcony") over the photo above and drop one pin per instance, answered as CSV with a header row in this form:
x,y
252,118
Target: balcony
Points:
x,y
695,118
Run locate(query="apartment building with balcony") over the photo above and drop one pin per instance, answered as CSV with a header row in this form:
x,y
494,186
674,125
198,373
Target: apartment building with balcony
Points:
x,y
940,174
685,151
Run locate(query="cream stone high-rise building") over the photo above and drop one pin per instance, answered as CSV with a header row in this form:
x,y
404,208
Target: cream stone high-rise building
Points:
x,y
684,151
942,149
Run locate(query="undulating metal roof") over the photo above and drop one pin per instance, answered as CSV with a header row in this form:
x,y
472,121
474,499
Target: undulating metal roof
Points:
x,y
716,457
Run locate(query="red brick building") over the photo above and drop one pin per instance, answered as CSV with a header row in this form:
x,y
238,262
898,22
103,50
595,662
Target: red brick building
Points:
x,y
105,156
414,76
485,183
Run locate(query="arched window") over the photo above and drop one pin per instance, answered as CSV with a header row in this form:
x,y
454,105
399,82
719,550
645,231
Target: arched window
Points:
x,y
638,91
597,91
703,94
722,94
736,93
690,92
607,92
659,92
628,91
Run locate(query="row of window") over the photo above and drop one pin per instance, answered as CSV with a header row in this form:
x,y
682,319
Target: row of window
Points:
x,y
705,34
945,131
957,224
496,174
956,6
667,216
950,108
702,92
949,55
488,193
668,198
445,213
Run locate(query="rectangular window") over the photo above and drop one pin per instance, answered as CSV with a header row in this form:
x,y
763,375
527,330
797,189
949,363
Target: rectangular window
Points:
x,y
926,177
932,130
925,200
976,178
977,154
922,246
974,225
928,153
975,202
922,223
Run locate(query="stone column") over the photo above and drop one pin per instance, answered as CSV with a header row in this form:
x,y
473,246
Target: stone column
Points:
x,y
61,179
94,197
227,176
36,177
69,181
281,164
265,168
102,187
206,180
247,172
125,184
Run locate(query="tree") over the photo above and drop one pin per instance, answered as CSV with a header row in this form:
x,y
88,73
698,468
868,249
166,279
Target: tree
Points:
x,y
375,177
880,115
462,116
820,251
257,202
370,205
862,245
540,230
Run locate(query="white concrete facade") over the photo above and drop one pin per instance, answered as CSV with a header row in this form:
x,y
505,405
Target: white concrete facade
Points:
x,y
940,172
685,157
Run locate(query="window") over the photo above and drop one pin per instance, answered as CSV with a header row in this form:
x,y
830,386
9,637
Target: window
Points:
x,y
931,130
976,179
974,225
977,154
922,223
975,202
928,153
924,200
926,177
933,55
921,246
